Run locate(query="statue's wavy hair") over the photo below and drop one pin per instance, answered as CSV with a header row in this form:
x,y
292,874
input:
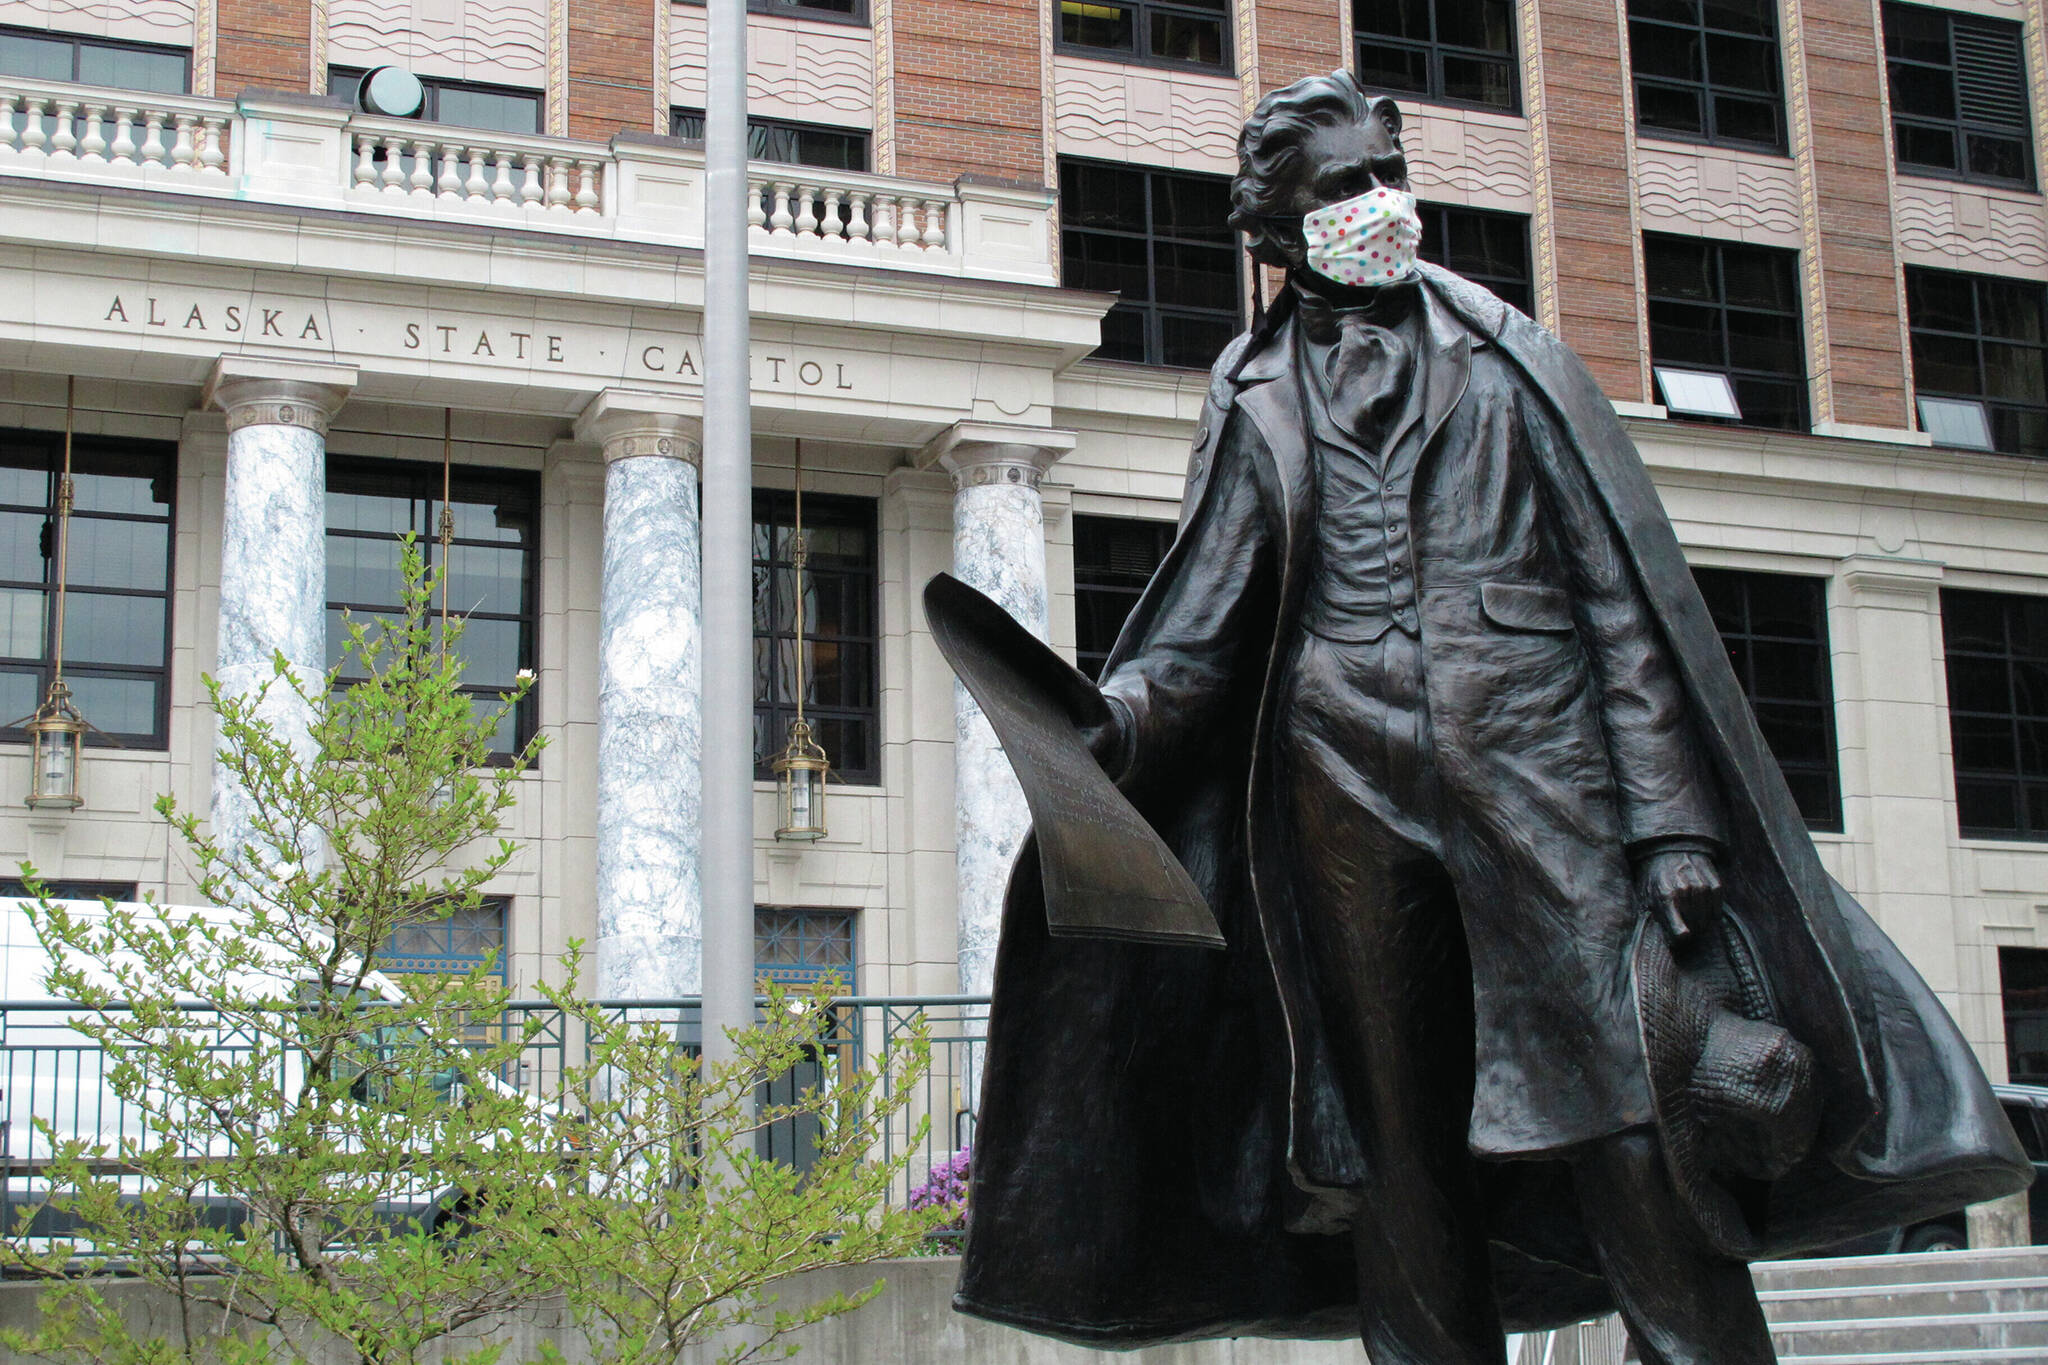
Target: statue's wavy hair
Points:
x,y
1271,143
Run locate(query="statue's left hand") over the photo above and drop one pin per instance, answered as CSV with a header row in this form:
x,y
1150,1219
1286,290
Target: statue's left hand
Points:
x,y
1682,888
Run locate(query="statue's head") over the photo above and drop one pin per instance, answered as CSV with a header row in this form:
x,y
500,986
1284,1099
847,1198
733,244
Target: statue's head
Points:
x,y
1317,142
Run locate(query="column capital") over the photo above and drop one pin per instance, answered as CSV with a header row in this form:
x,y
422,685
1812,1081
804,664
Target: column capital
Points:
x,y
976,453
626,423
255,390
1868,577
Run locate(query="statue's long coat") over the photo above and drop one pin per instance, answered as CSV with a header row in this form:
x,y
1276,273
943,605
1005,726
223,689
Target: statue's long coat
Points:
x,y
1153,1119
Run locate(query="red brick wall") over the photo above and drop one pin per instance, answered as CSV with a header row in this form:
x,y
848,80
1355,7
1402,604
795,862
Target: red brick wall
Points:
x,y
968,89
611,67
1299,38
266,43
1844,67
1582,93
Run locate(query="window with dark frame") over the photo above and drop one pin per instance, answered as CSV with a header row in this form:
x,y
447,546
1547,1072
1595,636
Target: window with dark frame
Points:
x,y
1708,72
799,946
1169,32
1160,240
2023,991
1485,246
73,890
1984,337
1447,51
842,668
799,144
454,945
1114,558
1996,647
840,11
1732,310
1959,95
467,104
117,633
42,55
1775,628
492,562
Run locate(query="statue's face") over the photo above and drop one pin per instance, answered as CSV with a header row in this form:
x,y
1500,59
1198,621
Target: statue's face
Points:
x,y
1342,161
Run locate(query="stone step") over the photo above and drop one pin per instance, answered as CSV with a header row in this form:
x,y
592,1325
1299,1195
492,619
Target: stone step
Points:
x,y
1932,1299
1951,1333
1850,1273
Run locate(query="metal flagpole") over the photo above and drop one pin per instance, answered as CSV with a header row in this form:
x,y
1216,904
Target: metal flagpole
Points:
x,y
726,860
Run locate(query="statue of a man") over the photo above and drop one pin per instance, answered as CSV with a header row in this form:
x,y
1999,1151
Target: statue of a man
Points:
x,y
1536,1001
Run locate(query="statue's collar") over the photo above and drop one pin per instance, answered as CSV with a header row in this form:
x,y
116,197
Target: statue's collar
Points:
x,y
1321,315
1270,360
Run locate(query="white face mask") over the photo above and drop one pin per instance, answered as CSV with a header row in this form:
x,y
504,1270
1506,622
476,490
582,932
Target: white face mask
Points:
x,y
1368,240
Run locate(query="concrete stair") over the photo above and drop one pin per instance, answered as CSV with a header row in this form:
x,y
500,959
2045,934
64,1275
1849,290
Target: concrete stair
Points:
x,y
1940,1308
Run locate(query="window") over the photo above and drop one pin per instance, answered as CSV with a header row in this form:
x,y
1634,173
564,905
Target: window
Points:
x,y
1159,239
800,144
1775,627
73,890
1997,648
117,614
2023,983
370,503
453,946
1708,71
1731,310
44,56
1959,95
1181,32
1114,558
1454,51
803,947
1983,337
499,108
841,672
1485,247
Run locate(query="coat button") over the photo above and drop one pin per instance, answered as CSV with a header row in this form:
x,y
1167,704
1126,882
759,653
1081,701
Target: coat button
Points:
x,y
1202,431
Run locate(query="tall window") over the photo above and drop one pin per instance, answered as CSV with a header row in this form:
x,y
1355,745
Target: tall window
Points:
x,y
1114,558
1775,627
491,563
1484,246
1158,239
468,104
1452,51
1720,311
117,615
800,144
44,56
841,672
1997,648
2023,988
455,945
1179,32
1983,338
1708,72
1959,95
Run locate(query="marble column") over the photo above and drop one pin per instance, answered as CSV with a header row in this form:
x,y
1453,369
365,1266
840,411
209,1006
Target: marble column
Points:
x,y
273,559
998,547
649,902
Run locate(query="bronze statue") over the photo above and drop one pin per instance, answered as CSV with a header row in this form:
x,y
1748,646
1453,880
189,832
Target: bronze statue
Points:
x,y
1534,1000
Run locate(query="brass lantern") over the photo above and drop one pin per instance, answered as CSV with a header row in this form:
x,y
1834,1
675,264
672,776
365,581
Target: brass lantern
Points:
x,y
801,771
56,733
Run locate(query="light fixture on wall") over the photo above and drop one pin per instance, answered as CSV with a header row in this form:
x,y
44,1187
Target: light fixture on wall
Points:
x,y
800,772
56,731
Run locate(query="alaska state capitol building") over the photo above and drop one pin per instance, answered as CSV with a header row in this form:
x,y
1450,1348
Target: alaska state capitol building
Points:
x,y
1801,243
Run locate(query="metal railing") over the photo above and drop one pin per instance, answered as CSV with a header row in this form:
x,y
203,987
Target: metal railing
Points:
x,y
55,1080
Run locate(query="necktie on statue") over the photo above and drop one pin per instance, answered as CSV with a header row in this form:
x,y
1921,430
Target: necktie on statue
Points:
x,y
1368,371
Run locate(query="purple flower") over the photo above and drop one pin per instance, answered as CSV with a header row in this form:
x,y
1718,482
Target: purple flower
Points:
x,y
945,1188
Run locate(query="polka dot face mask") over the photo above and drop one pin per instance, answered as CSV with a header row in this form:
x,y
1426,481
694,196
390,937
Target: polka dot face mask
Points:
x,y
1368,240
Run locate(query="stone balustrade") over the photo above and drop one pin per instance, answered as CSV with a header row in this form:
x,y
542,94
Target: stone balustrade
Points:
x,y
280,148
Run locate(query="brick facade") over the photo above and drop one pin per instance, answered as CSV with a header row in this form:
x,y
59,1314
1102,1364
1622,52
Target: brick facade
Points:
x,y
611,67
1298,38
969,89
263,43
1584,96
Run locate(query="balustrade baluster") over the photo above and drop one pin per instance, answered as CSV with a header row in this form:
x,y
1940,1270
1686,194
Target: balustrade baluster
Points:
x,y
830,224
184,153
92,139
936,218
586,187
6,121
32,135
450,182
558,183
906,221
806,210
884,230
394,165
421,177
476,186
502,190
212,156
153,137
757,216
779,220
366,161
62,140
124,136
530,191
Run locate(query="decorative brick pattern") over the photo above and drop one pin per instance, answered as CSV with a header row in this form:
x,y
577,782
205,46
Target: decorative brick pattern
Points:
x,y
1298,38
266,43
968,89
611,68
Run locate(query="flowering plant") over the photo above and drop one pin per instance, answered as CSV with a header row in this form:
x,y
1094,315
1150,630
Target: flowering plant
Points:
x,y
945,1188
